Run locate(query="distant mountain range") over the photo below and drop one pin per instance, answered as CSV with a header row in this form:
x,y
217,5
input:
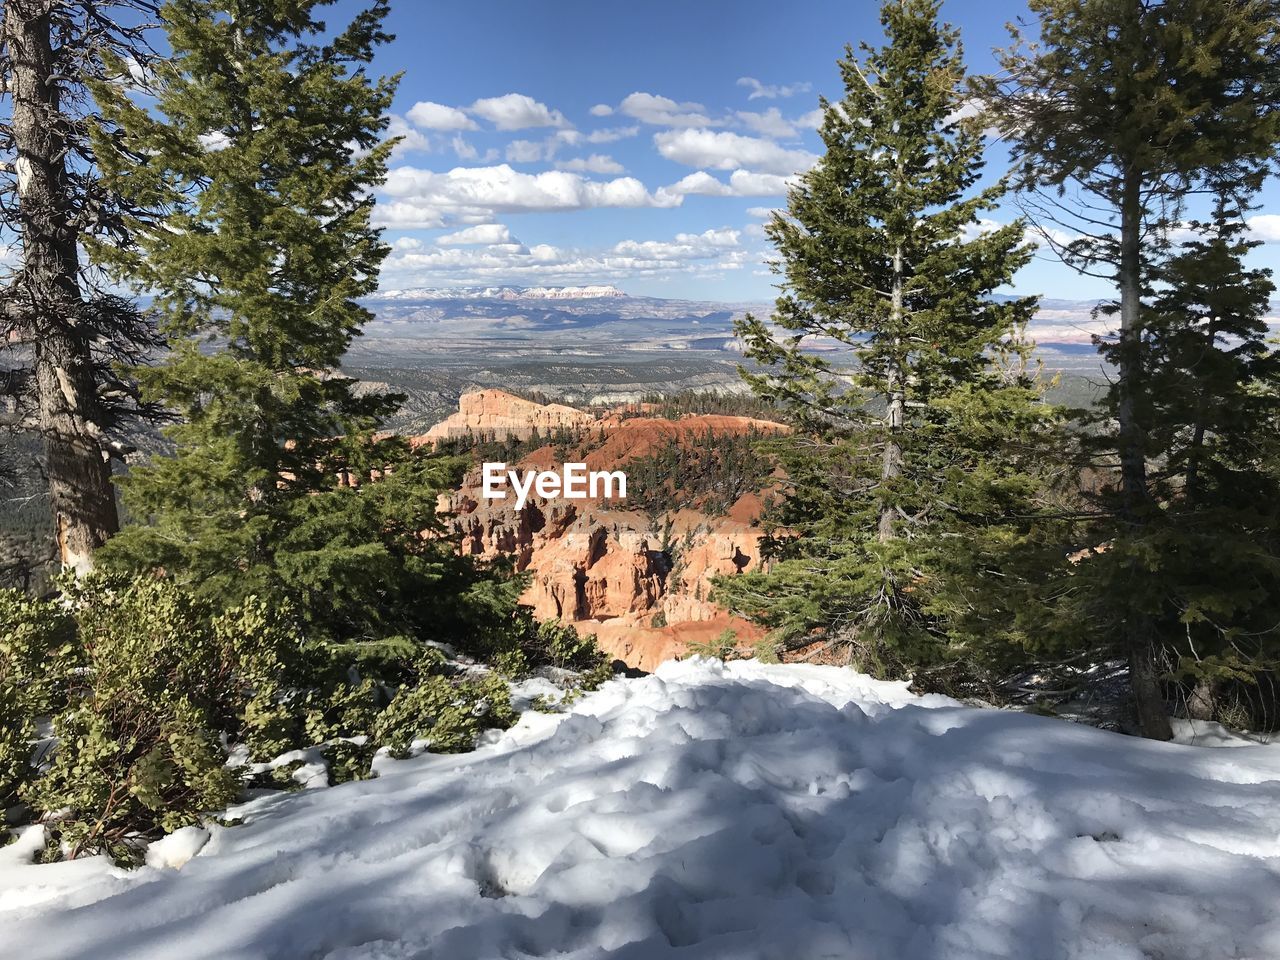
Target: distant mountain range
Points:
x,y
501,293
605,320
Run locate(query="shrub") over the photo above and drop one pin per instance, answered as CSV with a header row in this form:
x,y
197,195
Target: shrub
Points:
x,y
562,646
37,651
723,647
450,712
349,760
139,748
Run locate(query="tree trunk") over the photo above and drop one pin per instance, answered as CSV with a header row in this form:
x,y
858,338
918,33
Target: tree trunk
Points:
x,y
1131,445
891,466
48,299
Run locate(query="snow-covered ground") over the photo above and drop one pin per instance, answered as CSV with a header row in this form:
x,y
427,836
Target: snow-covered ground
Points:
x,y
714,811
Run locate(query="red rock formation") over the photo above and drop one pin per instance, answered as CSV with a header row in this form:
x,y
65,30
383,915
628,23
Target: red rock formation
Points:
x,y
503,415
640,584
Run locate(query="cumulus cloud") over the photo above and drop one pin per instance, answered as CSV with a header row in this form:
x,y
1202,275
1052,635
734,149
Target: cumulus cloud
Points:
x,y
525,151
482,233
437,116
664,112
596,163
771,123
610,134
411,140
721,150
601,110
742,183
685,246
515,111
771,92
469,195
1265,227
695,254
811,120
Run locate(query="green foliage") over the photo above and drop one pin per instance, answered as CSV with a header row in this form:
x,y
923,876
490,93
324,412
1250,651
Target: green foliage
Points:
x,y
37,653
701,402
560,645
723,647
448,711
922,430
279,483
1119,114
265,247
708,473
163,675
766,651
349,760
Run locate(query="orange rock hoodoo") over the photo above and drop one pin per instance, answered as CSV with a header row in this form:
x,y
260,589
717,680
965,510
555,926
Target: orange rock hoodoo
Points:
x,y
640,583
503,415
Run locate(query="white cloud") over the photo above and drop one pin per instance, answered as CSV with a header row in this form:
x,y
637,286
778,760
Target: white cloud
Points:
x,y
721,150
601,110
811,120
411,140
437,116
596,163
610,134
664,112
685,246
515,111
525,151
482,233
771,123
1041,236
1265,227
771,92
686,254
764,213
214,142
742,183
406,243
462,149
471,195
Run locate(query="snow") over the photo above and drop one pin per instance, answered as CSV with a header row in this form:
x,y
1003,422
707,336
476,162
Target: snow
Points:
x,y
177,848
715,811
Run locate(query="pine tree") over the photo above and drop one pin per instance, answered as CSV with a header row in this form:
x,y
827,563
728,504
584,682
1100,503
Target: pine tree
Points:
x,y
1119,113
1209,578
262,146
62,330
911,430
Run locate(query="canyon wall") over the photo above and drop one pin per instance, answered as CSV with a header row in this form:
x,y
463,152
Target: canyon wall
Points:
x,y
639,581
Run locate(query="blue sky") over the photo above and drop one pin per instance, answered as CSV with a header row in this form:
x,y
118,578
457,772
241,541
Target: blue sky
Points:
x,y
573,142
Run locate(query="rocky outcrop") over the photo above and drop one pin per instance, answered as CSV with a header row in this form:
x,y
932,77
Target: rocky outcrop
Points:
x,y
500,415
641,590
640,583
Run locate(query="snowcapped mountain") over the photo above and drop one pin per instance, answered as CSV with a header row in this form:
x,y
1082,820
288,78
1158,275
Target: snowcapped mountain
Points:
x,y
501,293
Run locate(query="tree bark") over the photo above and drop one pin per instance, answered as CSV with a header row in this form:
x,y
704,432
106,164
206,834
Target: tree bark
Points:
x,y
891,466
1140,632
48,297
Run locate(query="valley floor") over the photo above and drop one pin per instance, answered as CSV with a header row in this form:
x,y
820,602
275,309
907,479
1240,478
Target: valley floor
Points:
x,y
709,810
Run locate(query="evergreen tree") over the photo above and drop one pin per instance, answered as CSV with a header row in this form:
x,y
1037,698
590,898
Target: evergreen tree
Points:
x,y
1121,110
914,430
1209,580
62,330
262,146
